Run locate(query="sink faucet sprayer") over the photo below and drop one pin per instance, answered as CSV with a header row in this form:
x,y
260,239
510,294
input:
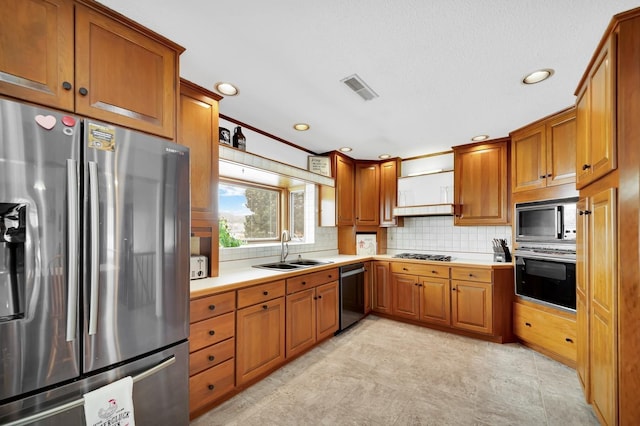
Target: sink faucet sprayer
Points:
x,y
284,249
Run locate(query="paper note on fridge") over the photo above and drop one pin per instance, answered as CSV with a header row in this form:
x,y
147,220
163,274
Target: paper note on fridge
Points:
x,y
110,405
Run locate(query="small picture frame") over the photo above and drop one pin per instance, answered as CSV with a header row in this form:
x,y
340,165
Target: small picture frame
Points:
x,y
320,165
225,136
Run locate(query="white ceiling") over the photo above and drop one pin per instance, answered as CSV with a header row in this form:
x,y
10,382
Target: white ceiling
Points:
x,y
445,70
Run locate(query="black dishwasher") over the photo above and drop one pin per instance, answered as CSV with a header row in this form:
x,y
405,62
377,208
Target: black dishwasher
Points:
x,y
351,295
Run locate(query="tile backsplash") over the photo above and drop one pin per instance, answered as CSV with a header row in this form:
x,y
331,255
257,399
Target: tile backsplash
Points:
x,y
437,233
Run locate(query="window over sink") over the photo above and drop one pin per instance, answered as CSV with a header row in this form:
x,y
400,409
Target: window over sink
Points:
x,y
251,214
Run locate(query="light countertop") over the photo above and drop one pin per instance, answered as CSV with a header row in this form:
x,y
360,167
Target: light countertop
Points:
x,y
243,276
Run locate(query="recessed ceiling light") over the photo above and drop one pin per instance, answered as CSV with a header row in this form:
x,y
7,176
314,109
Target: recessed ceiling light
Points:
x,y
384,156
538,76
301,126
345,149
227,89
480,138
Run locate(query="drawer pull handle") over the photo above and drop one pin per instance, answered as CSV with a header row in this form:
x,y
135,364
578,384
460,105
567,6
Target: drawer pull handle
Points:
x,y
265,293
211,357
586,166
404,269
471,275
265,307
212,332
433,272
330,276
212,307
211,387
569,340
527,324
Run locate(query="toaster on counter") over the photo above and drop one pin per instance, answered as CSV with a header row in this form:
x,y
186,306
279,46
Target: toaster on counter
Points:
x,y
198,267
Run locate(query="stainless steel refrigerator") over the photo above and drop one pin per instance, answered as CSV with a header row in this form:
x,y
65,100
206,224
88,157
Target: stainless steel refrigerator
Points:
x,y
94,267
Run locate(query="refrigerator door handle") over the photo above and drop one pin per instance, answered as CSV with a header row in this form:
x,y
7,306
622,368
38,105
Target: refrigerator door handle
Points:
x,y
94,224
73,245
80,401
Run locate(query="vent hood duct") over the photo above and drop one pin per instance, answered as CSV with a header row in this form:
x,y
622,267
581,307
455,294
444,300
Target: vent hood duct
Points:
x,y
355,83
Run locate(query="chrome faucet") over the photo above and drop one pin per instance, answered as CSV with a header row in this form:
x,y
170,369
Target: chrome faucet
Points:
x,y
284,247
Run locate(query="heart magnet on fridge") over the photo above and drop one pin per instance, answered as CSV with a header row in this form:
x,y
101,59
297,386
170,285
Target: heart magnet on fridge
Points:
x,y
46,122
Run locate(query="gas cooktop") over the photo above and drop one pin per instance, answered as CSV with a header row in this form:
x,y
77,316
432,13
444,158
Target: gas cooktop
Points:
x,y
421,256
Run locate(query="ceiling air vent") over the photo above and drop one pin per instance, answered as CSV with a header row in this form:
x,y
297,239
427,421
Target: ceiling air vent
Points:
x,y
355,83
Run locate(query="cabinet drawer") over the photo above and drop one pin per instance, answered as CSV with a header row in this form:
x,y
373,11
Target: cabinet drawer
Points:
x,y
260,293
211,331
472,274
211,355
425,270
552,332
210,384
305,281
212,306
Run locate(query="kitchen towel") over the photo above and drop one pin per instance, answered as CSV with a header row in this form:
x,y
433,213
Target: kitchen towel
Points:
x,y
110,405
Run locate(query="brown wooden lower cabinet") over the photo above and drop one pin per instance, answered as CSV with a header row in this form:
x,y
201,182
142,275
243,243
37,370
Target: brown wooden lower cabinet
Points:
x,y
212,349
553,333
472,299
381,297
260,331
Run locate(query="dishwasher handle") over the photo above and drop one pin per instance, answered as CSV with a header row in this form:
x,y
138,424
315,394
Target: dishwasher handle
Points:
x,y
352,272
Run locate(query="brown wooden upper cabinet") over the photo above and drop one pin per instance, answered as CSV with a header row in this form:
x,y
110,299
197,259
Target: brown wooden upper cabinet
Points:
x,y
481,183
80,56
389,171
344,168
543,153
596,152
198,129
367,193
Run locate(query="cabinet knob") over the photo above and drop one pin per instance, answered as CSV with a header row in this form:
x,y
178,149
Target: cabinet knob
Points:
x,y
319,297
568,339
304,283
548,174
211,357
586,166
265,307
330,276
83,91
404,269
212,332
543,176
585,212
527,324
433,272
453,289
66,85
471,275
266,293
415,283
212,307
211,387
315,297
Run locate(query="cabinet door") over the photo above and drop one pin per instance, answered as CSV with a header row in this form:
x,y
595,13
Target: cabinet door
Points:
x,y
198,129
344,190
301,321
435,301
37,51
388,192
381,288
368,286
480,184
582,297
561,149
327,309
406,296
599,156
367,189
603,342
260,339
528,159
124,76
471,306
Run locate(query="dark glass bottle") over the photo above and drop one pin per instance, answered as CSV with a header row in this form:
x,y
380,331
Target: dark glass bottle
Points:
x,y
239,140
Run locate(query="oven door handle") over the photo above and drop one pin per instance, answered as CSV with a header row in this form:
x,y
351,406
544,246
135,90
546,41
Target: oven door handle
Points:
x,y
543,257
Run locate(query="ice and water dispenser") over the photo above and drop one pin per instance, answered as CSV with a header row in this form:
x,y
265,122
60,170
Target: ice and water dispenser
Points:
x,y
12,240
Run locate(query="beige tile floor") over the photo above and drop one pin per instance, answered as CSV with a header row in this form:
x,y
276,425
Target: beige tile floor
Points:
x,y
383,372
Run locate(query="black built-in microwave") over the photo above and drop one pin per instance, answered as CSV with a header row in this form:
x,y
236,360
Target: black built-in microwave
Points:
x,y
546,221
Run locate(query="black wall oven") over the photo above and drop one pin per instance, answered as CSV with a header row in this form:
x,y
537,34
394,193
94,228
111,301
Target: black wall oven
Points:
x,y
547,278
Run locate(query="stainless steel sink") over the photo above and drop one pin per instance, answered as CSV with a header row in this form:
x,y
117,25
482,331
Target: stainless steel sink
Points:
x,y
294,264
